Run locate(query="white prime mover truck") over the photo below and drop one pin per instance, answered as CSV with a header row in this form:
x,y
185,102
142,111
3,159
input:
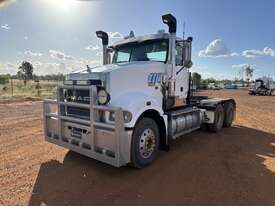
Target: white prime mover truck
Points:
x,y
263,86
128,109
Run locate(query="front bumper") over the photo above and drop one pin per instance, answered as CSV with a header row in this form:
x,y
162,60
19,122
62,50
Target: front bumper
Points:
x,y
103,141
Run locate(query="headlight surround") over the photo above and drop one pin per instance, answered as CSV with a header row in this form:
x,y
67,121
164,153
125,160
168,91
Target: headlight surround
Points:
x,y
103,96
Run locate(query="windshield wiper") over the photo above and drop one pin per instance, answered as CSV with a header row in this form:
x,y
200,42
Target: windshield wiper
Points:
x,y
145,59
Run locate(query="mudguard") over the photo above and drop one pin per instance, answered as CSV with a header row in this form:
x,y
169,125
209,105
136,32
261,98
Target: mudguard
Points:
x,y
211,104
137,103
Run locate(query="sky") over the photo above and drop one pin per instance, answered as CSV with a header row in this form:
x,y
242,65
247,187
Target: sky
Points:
x,y
58,36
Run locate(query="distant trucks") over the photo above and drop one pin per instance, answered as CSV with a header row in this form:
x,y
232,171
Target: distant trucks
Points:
x,y
213,86
231,86
263,86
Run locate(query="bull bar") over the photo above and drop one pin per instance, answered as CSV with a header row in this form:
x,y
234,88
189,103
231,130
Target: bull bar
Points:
x,y
100,140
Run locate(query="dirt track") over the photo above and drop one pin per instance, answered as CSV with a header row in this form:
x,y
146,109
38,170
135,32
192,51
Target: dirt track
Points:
x,y
232,168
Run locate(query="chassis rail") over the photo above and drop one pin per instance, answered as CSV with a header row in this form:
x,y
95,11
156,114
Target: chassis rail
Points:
x,y
106,142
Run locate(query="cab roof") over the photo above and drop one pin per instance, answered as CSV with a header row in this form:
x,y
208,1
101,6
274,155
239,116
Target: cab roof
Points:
x,y
143,38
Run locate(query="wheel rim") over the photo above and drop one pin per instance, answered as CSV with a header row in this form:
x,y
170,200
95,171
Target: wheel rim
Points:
x,y
147,143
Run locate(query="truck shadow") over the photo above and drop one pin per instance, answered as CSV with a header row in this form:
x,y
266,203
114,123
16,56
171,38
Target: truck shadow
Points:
x,y
234,167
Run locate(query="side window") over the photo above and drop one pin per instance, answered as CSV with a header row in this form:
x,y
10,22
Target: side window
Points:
x,y
158,52
179,60
123,55
157,56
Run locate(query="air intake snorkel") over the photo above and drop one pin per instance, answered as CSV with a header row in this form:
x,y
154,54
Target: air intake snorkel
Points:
x,y
105,41
169,91
171,21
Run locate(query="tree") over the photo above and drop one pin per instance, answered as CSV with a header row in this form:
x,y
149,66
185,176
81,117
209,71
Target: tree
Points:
x,y
196,77
25,71
248,70
209,80
4,79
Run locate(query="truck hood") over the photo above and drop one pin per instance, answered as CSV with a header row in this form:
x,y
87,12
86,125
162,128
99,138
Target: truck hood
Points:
x,y
100,71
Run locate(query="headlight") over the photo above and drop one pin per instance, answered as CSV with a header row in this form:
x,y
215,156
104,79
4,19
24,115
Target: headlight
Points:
x,y
126,115
103,97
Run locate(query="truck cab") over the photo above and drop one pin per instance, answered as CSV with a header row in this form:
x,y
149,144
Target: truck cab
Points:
x,y
126,110
262,86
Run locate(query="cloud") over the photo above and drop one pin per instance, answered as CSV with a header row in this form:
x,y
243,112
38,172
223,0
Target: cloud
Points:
x,y
252,53
43,68
26,38
33,54
8,68
60,55
267,51
63,67
235,54
241,66
6,27
216,48
115,35
92,48
4,3
81,63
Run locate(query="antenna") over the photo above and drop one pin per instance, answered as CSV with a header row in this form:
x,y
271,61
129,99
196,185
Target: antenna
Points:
x,y
183,32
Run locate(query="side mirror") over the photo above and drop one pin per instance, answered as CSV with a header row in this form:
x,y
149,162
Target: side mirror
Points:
x,y
187,53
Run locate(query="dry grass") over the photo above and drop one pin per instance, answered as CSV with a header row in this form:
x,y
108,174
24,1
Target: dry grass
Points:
x,y
32,90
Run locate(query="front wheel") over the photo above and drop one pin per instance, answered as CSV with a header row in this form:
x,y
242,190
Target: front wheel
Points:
x,y
145,143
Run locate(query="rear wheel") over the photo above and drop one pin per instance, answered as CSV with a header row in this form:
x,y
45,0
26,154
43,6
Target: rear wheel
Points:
x,y
228,114
145,143
218,121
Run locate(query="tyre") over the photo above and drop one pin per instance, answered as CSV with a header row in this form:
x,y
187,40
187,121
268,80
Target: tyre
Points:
x,y
228,114
218,121
145,143
204,127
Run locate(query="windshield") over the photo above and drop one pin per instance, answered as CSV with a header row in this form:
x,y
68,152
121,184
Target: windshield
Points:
x,y
153,50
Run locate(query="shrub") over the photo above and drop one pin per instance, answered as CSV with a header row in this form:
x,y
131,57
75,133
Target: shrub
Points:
x,y
4,79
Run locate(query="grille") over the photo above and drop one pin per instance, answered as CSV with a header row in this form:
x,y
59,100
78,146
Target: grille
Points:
x,y
78,112
78,96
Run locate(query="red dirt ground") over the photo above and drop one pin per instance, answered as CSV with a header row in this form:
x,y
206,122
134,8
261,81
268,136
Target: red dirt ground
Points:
x,y
232,168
